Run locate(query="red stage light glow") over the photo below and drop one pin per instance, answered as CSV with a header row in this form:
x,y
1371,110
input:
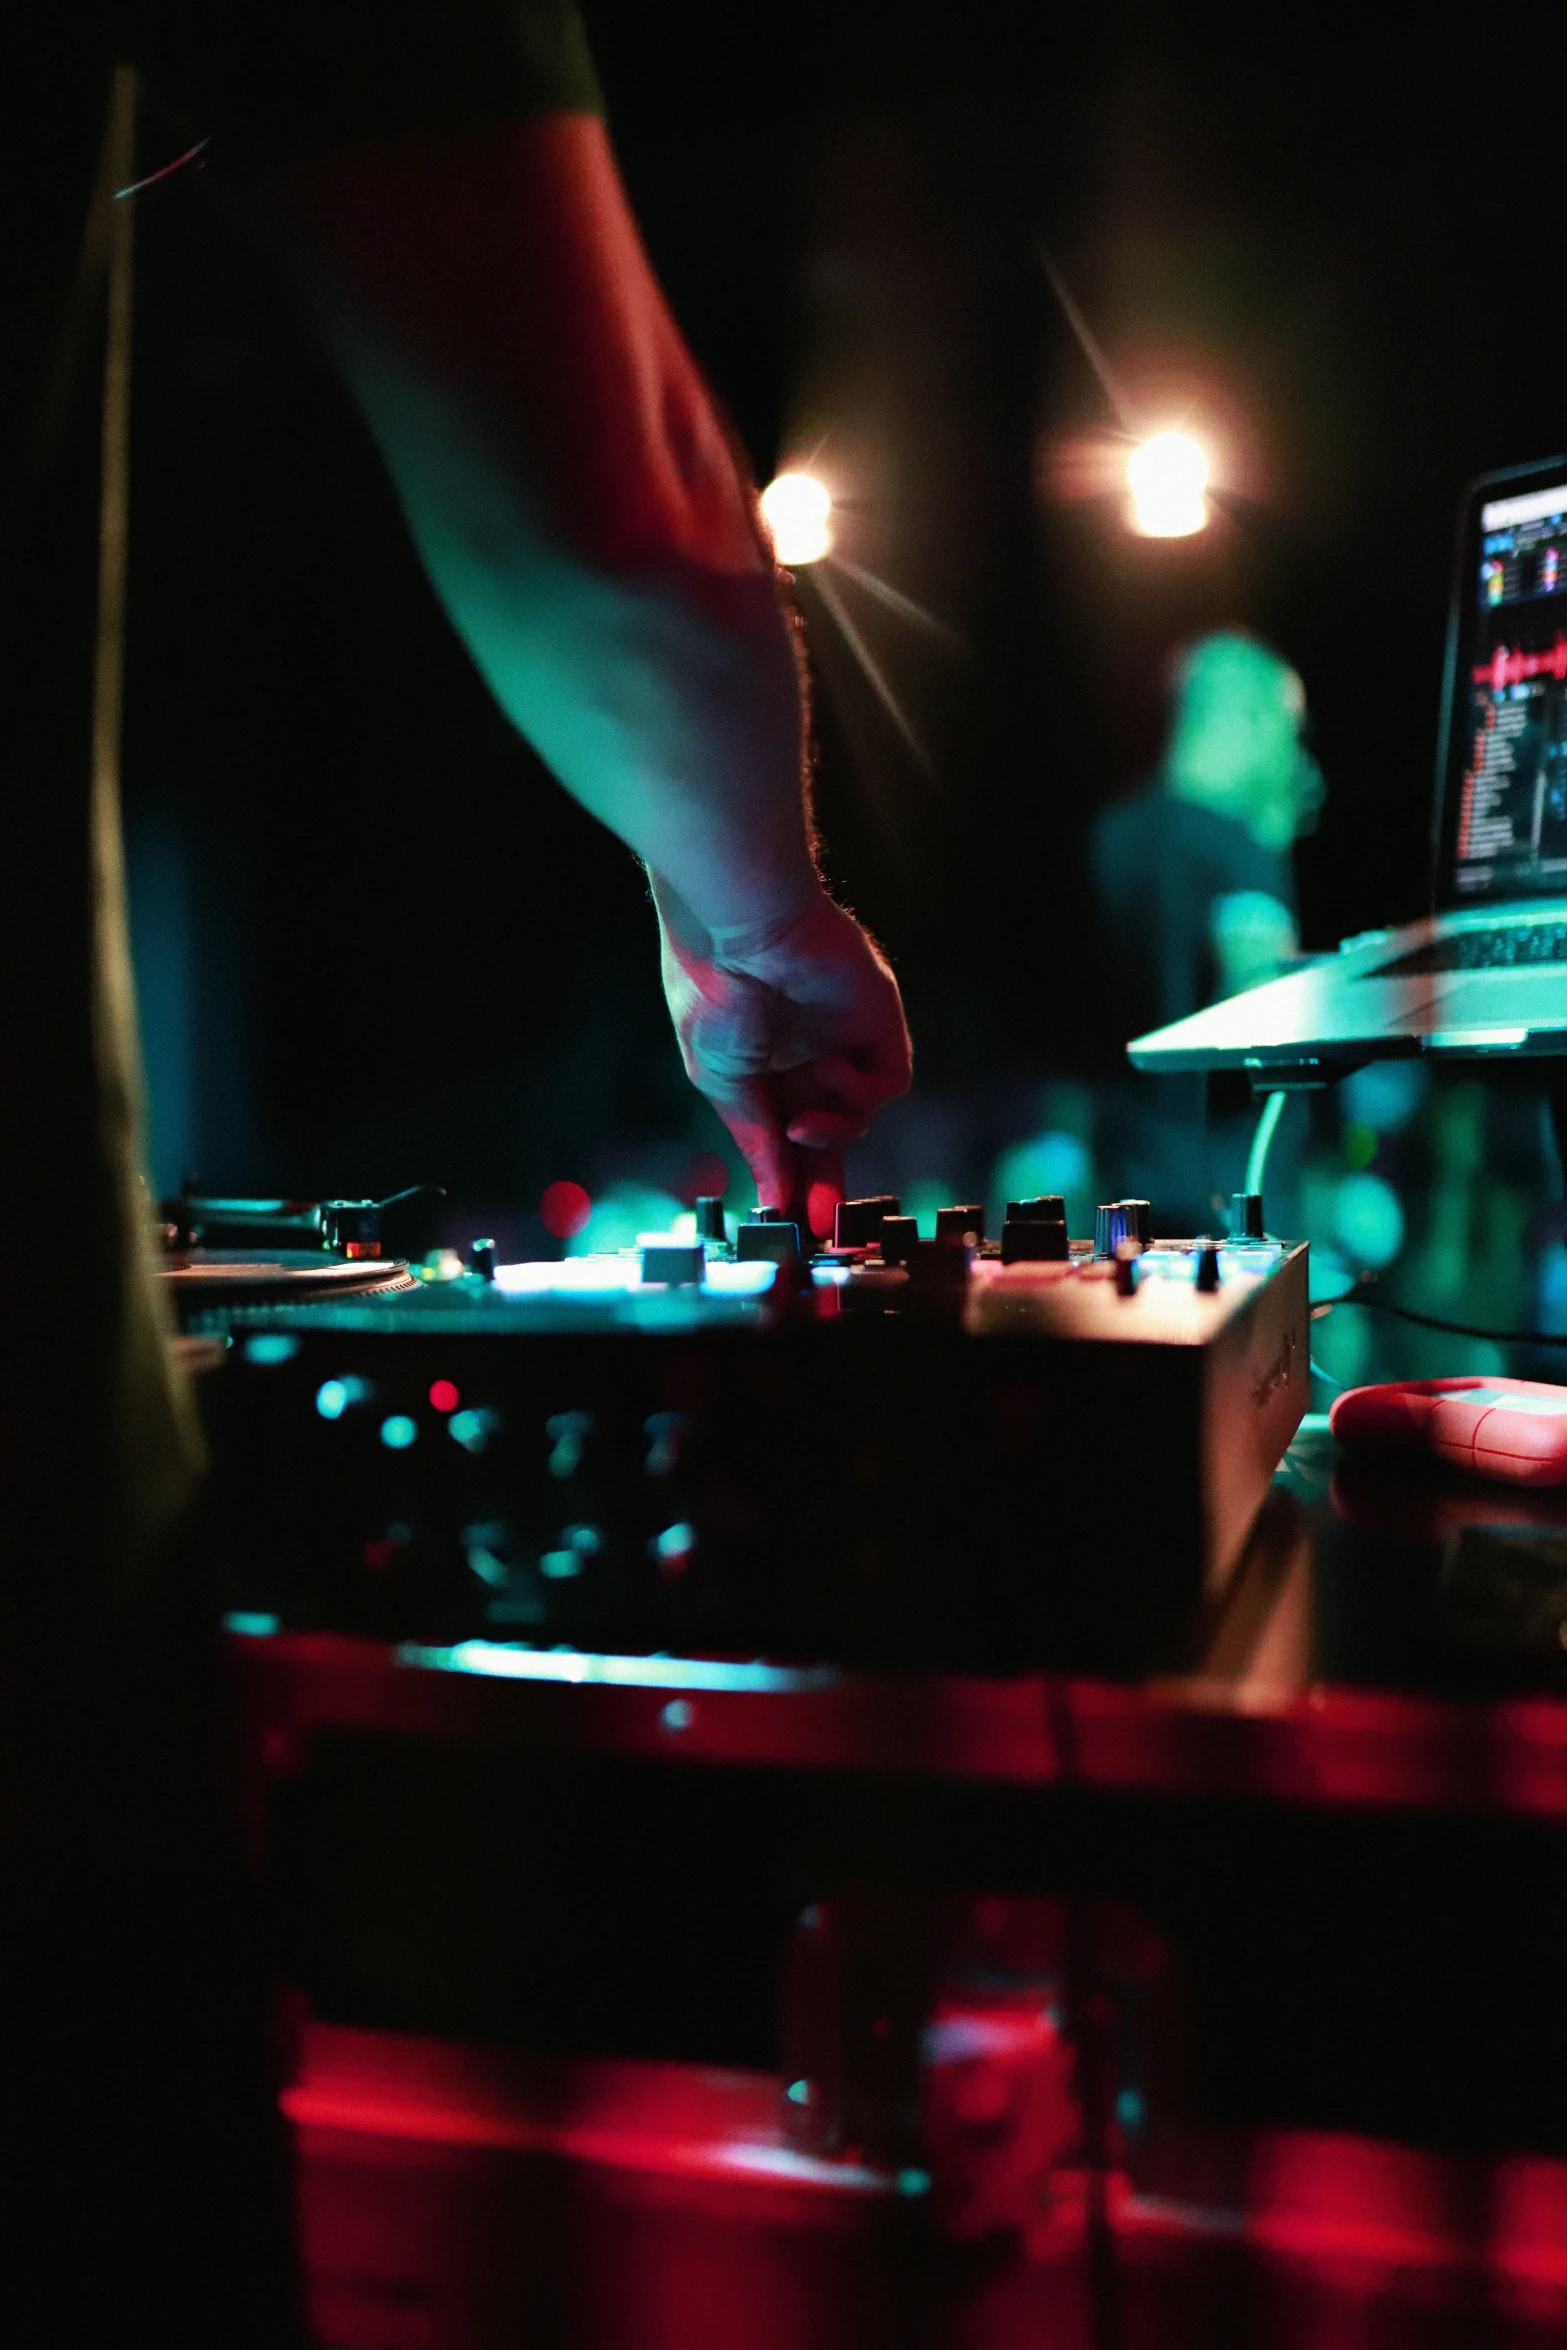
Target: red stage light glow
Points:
x,y
564,1209
704,1177
444,1396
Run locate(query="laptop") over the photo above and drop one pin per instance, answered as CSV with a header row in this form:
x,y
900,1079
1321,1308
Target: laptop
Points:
x,y
1485,973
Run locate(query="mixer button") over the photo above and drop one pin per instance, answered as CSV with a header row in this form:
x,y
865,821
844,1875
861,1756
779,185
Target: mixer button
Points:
x,y
963,1227
898,1236
773,1242
678,1262
857,1223
1026,1240
1246,1216
1049,1208
710,1219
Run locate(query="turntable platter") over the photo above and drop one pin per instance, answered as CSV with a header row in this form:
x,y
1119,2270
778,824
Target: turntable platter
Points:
x,y
217,1275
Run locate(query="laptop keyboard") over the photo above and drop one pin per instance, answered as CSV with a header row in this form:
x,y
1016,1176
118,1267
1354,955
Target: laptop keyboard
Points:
x,y
1520,946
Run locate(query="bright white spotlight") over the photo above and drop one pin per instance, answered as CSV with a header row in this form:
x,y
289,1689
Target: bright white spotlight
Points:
x,y
795,509
1167,477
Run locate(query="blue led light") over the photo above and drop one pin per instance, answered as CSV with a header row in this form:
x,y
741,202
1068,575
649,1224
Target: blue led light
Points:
x,y
676,1542
270,1347
333,1398
1130,2111
472,1430
398,1432
251,1624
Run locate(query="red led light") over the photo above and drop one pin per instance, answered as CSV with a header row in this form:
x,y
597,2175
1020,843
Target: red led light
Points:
x,y
444,1396
564,1209
380,1553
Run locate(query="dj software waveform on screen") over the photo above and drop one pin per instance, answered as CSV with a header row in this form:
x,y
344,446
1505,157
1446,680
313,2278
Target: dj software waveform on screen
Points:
x,y
1512,810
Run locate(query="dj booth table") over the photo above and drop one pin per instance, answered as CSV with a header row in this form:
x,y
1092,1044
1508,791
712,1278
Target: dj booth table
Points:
x,y
865,2007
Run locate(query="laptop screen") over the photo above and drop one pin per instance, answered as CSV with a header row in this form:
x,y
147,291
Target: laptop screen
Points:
x,y
1504,797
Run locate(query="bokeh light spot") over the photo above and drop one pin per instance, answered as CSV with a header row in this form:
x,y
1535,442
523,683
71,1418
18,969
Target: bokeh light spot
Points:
x,y
398,1432
564,1209
796,510
1167,476
443,1396
704,1177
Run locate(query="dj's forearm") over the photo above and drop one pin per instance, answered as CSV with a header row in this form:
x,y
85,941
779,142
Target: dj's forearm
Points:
x,y
665,698
571,492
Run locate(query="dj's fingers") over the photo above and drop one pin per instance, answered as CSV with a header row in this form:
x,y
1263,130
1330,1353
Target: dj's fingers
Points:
x,y
833,1101
824,1129
751,1111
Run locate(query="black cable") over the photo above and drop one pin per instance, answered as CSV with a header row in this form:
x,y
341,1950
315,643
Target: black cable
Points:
x,y
1385,1305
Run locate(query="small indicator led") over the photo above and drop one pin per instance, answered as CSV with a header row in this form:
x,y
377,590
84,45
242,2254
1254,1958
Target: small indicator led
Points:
x,y
398,1432
675,1545
443,1396
471,1429
334,1396
270,1347
564,1209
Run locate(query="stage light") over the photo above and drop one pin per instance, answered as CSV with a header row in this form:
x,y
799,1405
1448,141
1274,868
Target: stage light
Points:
x,y
795,509
1167,476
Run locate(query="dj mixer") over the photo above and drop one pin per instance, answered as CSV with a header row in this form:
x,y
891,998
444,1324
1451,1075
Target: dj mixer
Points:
x,y
947,1452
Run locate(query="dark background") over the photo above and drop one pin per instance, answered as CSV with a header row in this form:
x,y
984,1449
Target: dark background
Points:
x,y
378,944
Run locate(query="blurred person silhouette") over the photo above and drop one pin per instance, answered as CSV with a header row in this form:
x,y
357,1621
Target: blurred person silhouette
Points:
x,y
1194,897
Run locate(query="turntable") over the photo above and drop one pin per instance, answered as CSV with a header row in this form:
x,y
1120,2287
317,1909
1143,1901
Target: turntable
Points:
x,y
225,1252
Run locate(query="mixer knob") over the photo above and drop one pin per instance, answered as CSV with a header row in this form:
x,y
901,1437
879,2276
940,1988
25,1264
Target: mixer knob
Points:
x,y
1049,1208
481,1258
1122,1219
1127,1253
1208,1268
1246,1216
898,1236
710,1219
857,1223
1026,1239
960,1227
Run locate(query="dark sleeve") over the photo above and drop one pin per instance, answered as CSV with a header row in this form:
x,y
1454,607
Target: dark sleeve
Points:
x,y
274,78
1233,860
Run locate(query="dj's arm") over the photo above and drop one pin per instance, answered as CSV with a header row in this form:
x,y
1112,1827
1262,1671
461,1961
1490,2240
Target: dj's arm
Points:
x,y
577,506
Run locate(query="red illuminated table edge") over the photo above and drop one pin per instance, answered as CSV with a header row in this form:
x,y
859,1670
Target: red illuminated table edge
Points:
x,y
1188,1737
1373,2214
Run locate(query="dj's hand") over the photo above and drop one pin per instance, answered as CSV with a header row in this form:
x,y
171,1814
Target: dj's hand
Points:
x,y
794,1030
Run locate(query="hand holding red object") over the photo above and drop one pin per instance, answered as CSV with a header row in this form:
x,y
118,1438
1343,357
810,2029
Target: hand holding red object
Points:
x,y
1514,1429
